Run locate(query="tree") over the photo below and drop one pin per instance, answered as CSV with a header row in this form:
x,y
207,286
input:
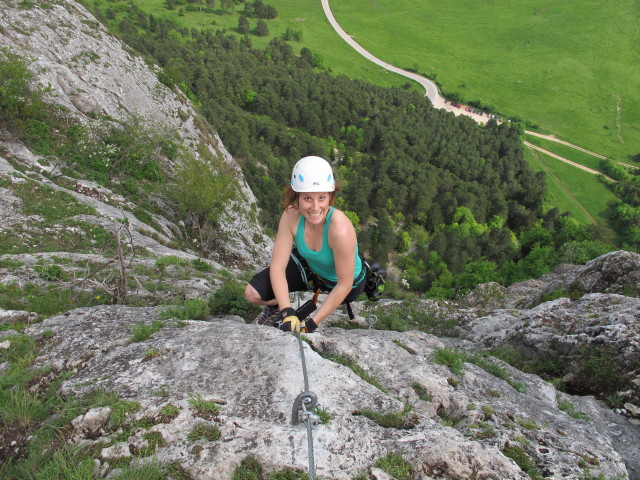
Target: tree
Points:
x,y
262,30
202,189
20,97
243,25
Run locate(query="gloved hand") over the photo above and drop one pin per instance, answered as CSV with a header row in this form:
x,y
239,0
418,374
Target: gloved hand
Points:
x,y
309,326
290,321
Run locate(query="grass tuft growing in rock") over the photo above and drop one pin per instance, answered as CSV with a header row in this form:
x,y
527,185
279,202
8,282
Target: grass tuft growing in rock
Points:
x,y
399,420
570,409
523,460
249,469
204,408
210,433
358,370
422,392
396,466
191,309
142,331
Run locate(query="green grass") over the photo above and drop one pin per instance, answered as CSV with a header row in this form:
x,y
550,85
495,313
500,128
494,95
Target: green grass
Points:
x,y
398,420
142,331
209,433
573,190
358,370
396,466
573,154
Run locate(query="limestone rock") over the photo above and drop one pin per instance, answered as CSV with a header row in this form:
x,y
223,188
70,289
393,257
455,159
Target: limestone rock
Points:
x,y
16,316
255,374
91,73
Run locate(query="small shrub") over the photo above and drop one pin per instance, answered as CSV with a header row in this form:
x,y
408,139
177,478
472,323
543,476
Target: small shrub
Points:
x,y
396,466
229,299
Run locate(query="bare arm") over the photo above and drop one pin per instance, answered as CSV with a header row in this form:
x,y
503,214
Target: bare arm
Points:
x,y
342,240
280,257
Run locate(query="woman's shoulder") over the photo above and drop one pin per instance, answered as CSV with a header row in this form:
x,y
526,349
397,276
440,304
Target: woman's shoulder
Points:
x,y
340,222
291,217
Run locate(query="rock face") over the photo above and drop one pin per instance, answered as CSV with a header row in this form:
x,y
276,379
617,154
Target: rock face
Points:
x,y
91,74
254,373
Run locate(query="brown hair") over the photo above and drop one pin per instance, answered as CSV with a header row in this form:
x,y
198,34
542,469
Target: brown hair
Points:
x,y
291,197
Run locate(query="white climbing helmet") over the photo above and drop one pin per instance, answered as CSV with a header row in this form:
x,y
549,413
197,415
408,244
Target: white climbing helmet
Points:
x,y
312,174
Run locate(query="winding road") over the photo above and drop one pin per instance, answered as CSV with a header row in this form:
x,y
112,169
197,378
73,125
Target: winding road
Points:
x,y
431,92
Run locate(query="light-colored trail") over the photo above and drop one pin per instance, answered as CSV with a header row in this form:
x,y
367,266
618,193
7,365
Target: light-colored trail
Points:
x,y
581,167
554,139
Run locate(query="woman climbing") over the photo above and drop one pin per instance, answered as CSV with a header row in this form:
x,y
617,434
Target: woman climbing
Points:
x,y
315,248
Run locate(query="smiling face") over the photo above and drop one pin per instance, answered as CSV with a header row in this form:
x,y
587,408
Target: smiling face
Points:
x,y
314,206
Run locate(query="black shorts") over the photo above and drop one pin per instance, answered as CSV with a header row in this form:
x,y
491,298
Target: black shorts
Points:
x,y
300,278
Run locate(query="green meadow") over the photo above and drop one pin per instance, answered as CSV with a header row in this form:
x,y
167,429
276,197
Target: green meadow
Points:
x,y
570,67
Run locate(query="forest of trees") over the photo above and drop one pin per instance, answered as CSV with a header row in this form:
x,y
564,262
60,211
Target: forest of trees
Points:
x,y
447,200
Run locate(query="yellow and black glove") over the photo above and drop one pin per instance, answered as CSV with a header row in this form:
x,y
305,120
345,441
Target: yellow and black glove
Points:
x,y
290,321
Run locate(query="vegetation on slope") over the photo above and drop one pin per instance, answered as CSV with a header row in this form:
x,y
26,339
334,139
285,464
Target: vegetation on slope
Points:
x,y
442,192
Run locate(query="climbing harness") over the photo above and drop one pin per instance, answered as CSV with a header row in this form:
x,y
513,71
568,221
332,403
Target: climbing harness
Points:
x,y
306,400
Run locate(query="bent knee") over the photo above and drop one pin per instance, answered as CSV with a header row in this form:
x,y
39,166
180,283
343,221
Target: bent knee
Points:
x,y
251,294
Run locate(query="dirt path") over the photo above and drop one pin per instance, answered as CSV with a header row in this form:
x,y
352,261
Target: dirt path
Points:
x,y
577,165
554,139
560,185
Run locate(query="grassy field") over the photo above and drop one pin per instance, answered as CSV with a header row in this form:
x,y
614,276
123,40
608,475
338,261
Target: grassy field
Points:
x,y
570,67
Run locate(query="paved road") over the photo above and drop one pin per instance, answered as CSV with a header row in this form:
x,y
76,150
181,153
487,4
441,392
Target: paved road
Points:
x,y
431,89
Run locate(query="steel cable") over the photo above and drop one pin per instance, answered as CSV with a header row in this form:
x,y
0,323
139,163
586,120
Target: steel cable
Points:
x,y
305,400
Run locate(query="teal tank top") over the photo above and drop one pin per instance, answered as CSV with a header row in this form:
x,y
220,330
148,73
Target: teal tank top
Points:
x,y
322,261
